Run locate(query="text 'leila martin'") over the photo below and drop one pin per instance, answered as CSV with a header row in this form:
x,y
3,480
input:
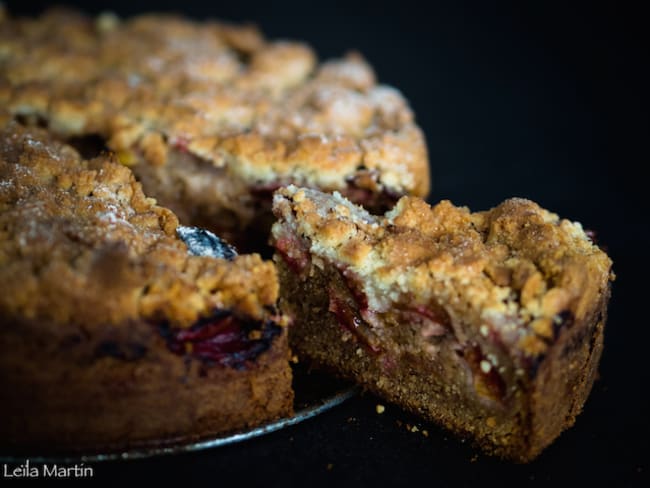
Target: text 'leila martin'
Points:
x,y
28,470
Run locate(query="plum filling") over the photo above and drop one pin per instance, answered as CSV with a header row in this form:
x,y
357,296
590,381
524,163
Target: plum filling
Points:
x,y
293,252
487,381
433,321
222,339
343,305
350,306
364,189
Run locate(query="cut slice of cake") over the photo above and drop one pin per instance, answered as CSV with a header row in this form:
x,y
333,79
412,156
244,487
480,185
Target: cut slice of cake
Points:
x,y
118,327
489,323
211,117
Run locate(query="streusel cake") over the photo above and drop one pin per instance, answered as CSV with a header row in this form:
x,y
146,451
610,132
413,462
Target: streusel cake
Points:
x,y
490,323
211,117
113,331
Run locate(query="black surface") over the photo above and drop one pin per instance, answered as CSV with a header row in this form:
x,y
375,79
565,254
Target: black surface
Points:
x,y
539,101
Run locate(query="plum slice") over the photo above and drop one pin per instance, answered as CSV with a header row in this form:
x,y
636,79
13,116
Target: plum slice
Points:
x,y
222,339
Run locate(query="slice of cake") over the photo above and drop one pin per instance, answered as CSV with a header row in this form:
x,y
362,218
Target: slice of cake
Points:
x,y
489,323
118,327
211,117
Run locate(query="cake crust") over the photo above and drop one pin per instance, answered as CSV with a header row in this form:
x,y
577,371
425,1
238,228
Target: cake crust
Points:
x,y
89,225
489,323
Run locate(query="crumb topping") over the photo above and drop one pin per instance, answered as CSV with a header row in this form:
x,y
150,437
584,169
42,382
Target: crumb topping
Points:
x,y
266,111
80,243
515,270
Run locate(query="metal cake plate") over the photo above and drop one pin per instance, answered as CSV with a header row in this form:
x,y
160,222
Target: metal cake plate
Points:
x,y
315,393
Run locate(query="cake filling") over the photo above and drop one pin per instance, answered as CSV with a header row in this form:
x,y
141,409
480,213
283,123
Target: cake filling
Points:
x,y
222,339
343,306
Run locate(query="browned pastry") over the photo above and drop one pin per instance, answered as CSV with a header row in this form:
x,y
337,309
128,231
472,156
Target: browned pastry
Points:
x,y
211,117
112,334
489,323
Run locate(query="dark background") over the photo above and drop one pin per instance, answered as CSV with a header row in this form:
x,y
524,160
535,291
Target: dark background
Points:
x,y
540,100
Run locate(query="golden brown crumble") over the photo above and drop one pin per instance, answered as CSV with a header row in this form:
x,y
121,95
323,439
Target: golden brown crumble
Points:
x,y
515,269
80,243
265,111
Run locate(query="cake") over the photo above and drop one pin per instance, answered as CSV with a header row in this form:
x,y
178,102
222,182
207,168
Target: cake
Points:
x,y
488,323
119,327
212,117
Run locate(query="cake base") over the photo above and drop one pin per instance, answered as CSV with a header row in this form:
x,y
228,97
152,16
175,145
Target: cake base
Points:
x,y
545,403
127,390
